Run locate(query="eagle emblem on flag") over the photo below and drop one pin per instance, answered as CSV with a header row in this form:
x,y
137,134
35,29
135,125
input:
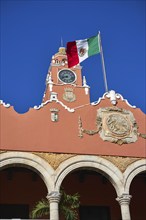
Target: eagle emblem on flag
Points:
x,y
82,51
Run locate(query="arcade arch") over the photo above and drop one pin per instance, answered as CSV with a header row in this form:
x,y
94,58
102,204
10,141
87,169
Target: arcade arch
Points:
x,y
133,170
54,178
96,163
30,161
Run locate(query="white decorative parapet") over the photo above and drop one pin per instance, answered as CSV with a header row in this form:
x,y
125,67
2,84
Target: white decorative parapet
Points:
x,y
67,108
4,104
113,96
54,98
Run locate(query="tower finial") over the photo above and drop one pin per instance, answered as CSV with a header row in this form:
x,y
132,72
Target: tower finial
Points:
x,y
61,42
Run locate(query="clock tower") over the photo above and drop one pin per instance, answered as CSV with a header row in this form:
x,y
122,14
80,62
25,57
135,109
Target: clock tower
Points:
x,y
66,83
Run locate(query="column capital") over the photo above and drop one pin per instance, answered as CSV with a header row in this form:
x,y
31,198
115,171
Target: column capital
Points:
x,y
124,199
53,196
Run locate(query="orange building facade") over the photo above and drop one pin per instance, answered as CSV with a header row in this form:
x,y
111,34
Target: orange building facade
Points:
x,y
96,149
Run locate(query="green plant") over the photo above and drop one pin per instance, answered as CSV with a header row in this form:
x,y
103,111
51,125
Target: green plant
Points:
x,y
67,207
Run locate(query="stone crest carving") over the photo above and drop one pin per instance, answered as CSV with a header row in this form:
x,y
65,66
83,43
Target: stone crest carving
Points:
x,y
118,125
69,95
115,125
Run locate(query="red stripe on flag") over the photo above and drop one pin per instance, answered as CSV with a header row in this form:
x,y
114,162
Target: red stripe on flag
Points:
x,y
72,54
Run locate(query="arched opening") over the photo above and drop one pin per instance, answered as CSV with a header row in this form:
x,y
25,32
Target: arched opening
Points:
x,y
97,194
138,201
21,187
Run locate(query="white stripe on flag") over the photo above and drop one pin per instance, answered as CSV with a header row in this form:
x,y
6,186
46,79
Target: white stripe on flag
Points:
x,y
82,44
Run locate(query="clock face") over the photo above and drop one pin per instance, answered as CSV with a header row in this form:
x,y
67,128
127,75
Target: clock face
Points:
x,y
67,76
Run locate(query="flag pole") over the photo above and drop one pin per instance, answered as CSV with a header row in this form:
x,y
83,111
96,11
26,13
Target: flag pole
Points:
x,y
103,65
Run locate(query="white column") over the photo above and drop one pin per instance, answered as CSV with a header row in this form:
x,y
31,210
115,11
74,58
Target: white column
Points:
x,y
54,198
124,201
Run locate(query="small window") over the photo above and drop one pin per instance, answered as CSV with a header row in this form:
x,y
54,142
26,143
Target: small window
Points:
x,y
94,213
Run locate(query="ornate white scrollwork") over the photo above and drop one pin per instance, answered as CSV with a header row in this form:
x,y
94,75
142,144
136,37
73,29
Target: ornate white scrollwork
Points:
x,y
113,96
4,104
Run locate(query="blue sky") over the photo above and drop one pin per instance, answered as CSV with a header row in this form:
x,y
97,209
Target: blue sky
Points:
x,y
31,33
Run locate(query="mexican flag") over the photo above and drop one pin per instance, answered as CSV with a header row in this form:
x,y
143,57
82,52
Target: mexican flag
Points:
x,y
77,51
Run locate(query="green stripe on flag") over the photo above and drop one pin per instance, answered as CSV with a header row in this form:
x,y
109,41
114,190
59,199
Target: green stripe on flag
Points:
x,y
94,46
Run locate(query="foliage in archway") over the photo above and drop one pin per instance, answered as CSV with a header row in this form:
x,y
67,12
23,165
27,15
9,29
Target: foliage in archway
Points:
x,y
67,207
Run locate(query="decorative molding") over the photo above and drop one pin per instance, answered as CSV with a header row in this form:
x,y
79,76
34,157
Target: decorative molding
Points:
x,y
113,96
121,162
99,100
4,104
124,199
54,196
54,159
110,95
67,108
82,130
125,100
54,100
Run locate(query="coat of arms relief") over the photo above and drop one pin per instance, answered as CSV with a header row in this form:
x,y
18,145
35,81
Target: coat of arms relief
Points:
x,y
115,125
118,125
69,95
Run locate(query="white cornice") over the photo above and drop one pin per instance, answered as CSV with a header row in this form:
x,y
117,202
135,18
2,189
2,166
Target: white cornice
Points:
x,y
113,96
57,101
110,95
4,104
